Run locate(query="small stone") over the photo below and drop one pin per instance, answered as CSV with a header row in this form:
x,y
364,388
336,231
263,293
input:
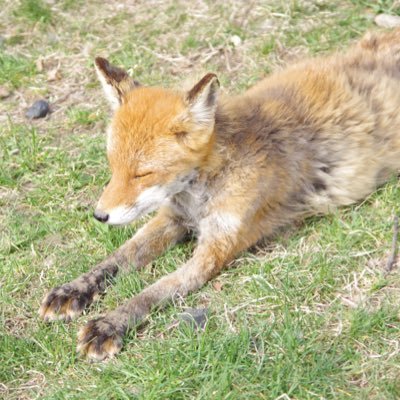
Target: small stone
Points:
x,y
196,317
4,92
235,40
387,21
38,109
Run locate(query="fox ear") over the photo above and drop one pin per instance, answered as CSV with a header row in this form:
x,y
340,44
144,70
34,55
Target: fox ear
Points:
x,y
202,100
115,81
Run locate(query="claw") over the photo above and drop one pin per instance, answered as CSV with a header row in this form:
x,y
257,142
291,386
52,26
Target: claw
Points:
x,y
65,303
99,340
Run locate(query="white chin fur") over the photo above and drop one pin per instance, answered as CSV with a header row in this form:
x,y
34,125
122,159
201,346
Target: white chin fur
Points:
x,y
120,216
149,200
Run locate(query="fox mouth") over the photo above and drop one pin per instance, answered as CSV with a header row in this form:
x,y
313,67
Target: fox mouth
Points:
x,y
124,215
148,201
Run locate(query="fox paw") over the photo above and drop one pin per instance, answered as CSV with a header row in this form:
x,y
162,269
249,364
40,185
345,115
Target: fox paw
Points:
x,y
66,302
99,339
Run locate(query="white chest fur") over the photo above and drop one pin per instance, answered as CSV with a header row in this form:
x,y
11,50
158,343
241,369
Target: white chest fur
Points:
x,y
191,204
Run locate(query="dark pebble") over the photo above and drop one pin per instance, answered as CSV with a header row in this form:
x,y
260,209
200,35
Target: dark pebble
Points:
x,y
197,317
38,109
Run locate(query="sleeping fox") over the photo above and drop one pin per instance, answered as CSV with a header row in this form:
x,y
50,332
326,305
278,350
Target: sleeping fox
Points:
x,y
232,170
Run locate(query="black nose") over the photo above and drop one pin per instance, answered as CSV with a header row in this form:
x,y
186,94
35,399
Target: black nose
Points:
x,y
101,216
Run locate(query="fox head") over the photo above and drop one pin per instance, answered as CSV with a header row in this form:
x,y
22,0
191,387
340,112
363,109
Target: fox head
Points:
x,y
157,141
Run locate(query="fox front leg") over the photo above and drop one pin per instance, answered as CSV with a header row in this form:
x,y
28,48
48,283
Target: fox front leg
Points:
x,y
69,300
102,337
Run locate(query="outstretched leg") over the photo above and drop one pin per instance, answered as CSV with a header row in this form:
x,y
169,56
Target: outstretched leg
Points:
x,y
69,300
102,337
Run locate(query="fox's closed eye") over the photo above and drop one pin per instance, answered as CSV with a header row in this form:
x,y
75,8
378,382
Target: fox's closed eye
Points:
x,y
142,174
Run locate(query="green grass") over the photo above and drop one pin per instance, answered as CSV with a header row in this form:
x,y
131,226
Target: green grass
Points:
x,y
34,10
84,117
15,70
310,316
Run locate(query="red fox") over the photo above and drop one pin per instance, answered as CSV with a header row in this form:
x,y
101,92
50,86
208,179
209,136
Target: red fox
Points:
x,y
318,135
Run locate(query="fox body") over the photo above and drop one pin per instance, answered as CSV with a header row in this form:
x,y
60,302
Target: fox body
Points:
x,y
320,134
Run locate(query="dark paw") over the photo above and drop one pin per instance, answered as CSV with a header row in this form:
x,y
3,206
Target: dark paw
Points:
x,y
99,339
66,302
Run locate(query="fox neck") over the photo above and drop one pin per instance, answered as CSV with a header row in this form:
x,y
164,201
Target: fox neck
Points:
x,y
216,153
212,158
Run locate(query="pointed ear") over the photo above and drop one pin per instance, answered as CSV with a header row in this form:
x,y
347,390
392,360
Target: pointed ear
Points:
x,y
115,81
202,100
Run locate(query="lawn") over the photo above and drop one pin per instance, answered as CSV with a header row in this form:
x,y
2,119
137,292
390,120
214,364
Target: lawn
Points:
x,y
310,314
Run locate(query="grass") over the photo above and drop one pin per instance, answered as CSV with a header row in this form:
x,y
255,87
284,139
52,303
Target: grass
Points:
x,y
310,315
14,71
34,11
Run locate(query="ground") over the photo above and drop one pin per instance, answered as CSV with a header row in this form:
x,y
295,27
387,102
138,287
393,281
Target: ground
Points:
x,y
311,314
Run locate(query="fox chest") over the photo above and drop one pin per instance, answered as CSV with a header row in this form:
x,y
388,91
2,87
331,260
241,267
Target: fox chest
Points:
x,y
191,205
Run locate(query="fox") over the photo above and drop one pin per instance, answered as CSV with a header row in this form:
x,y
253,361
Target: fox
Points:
x,y
232,170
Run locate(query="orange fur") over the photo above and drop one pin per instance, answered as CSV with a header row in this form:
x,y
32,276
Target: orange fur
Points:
x,y
320,134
